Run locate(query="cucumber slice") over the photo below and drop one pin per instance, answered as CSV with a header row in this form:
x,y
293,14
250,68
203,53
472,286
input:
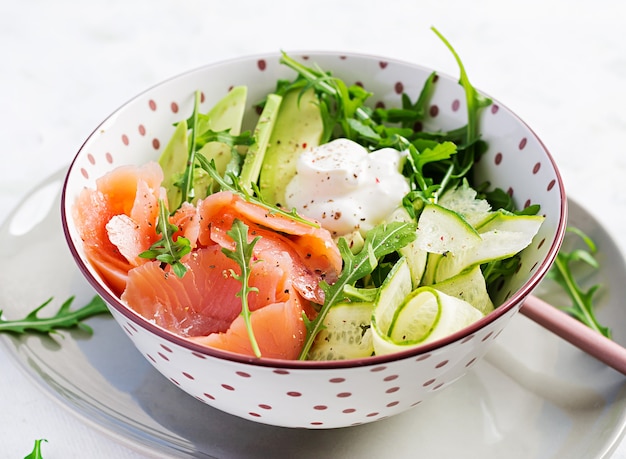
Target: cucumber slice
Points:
x,y
505,221
463,201
496,245
347,333
394,289
416,317
432,261
425,316
354,240
442,230
469,285
415,256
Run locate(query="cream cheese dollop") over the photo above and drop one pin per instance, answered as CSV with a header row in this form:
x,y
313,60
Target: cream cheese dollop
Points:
x,y
345,187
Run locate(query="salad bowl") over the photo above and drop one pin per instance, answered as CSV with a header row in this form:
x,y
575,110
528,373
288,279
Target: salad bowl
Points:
x,y
338,393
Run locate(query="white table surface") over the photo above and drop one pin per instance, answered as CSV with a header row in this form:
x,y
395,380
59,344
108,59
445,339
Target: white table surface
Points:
x,y
65,65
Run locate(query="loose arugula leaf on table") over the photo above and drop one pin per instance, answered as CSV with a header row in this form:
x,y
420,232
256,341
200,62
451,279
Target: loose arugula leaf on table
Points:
x,y
36,452
64,318
582,307
243,254
166,249
380,241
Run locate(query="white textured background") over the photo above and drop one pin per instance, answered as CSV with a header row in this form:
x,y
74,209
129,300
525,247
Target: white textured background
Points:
x,y
65,65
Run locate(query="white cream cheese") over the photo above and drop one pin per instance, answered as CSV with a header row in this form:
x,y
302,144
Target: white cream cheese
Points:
x,y
346,188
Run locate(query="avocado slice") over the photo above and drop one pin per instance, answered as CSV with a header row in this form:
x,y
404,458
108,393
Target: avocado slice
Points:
x,y
173,161
226,114
256,153
298,126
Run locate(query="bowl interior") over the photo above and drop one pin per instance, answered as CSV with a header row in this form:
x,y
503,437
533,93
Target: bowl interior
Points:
x,y
516,160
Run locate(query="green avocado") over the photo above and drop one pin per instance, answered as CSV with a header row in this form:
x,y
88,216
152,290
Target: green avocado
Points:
x,y
256,153
298,126
173,161
226,114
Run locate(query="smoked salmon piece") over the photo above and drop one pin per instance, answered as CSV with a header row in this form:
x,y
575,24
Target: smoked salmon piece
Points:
x,y
312,245
204,300
187,219
278,329
117,220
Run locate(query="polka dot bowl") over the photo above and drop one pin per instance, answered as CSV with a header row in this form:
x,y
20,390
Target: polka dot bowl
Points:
x,y
305,394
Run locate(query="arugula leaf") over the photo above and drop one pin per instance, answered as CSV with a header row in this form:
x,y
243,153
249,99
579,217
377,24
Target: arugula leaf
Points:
x,y
36,452
475,101
379,241
234,186
186,182
64,318
199,136
341,106
430,152
166,249
450,156
243,254
582,307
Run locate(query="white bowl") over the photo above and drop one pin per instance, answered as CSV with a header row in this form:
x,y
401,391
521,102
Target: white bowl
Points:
x,y
321,394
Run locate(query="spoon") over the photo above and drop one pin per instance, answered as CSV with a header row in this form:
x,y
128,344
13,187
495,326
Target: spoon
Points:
x,y
575,332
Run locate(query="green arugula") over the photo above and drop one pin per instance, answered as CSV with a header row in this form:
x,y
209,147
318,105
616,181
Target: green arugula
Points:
x,y
200,135
233,185
380,241
166,249
582,307
449,155
186,182
36,452
475,103
64,318
243,254
500,199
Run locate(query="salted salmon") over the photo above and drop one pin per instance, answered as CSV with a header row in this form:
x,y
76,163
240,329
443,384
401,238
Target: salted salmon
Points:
x,y
278,328
187,220
204,300
313,247
203,305
117,220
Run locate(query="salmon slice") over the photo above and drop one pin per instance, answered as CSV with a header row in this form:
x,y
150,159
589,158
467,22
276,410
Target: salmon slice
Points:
x,y
278,329
110,266
117,220
120,187
204,300
187,219
305,279
314,245
318,255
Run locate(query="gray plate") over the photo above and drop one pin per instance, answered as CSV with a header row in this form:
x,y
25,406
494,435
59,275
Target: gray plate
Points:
x,y
534,396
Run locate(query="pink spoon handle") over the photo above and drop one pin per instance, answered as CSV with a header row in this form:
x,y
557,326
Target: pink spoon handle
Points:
x,y
576,333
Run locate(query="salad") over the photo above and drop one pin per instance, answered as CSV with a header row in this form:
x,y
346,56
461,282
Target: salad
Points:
x,y
332,230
